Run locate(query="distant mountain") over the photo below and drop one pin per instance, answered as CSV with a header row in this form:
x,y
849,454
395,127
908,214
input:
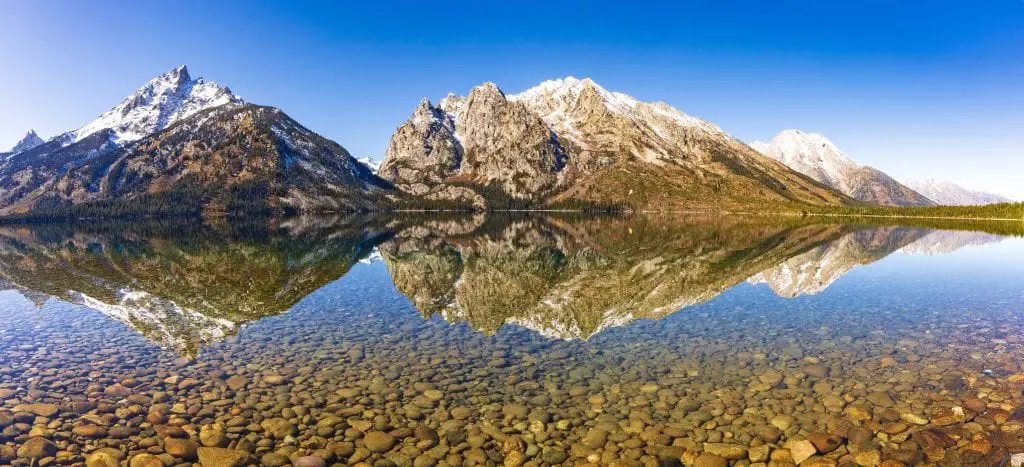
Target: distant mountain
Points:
x,y
815,156
30,141
950,194
570,142
370,163
182,146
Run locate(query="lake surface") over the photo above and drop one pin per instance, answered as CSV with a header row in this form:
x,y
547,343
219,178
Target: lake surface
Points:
x,y
501,340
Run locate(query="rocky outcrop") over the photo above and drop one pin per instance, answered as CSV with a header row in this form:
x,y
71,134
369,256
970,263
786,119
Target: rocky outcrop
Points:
x,y
485,139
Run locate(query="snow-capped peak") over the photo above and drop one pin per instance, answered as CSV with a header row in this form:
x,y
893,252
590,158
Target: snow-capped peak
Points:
x,y
30,141
162,101
558,102
371,163
809,153
569,89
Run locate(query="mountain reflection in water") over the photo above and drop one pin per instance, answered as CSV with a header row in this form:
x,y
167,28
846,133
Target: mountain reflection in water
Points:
x,y
183,286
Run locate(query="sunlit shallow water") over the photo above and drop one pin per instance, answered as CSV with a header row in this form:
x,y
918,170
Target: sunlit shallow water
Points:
x,y
512,342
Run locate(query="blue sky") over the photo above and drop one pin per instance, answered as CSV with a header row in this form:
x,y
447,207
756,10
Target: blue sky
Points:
x,y
922,89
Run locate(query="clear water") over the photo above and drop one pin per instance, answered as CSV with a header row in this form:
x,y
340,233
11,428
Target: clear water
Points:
x,y
449,341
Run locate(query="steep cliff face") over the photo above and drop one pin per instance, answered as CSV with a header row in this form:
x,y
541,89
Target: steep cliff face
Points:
x,y
485,139
815,156
573,142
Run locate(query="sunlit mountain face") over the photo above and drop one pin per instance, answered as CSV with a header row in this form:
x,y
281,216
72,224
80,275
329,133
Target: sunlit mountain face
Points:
x,y
568,277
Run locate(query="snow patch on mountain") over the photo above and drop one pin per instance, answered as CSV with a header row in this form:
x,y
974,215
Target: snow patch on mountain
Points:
x,y
811,154
558,102
161,102
370,163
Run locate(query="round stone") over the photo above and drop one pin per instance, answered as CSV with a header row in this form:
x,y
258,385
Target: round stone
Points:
x,y
378,441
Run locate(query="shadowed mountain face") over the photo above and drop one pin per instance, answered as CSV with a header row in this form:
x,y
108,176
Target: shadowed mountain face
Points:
x,y
185,286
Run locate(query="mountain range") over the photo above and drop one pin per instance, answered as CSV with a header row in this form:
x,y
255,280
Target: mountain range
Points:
x,y
184,146
570,142
814,155
950,194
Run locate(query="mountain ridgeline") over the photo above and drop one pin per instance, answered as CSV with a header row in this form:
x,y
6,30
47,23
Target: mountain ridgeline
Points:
x,y
571,143
182,146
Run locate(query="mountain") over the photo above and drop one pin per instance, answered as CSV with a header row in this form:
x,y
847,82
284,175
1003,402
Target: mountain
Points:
x,y
164,100
184,146
370,163
570,142
814,155
950,194
30,141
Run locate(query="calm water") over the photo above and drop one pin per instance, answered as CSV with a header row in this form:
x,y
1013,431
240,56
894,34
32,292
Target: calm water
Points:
x,y
511,341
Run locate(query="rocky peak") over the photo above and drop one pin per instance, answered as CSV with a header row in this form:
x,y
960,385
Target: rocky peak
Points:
x,y
452,104
814,155
484,100
162,101
30,141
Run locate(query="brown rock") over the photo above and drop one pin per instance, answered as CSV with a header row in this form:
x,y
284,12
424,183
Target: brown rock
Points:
x,y
236,382
825,443
710,460
89,431
220,457
42,410
378,441
117,390
181,448
146,460
859,435
801,450
37,448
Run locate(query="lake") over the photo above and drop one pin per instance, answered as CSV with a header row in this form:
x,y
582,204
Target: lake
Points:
x,y
512,340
